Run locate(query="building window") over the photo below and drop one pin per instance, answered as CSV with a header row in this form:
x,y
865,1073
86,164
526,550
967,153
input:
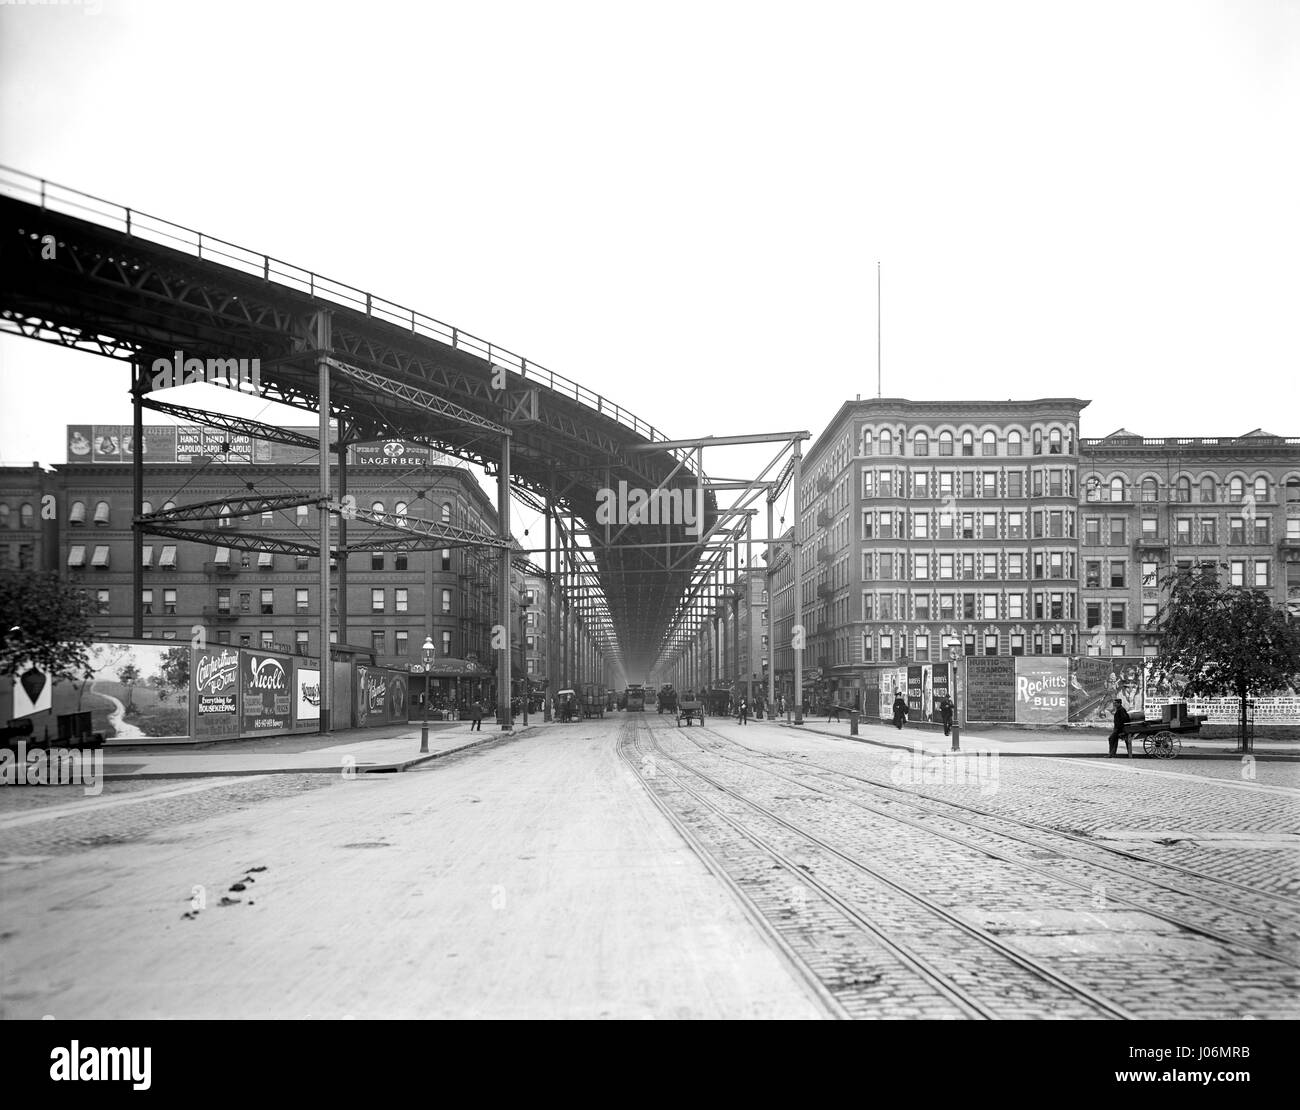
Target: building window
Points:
x,y
1261,489
968,526
1015,443
1058,644
988,565
76,515
446,513
1015,606
400,560
446,644
946,530
1150,613
301,600
446,558
947,609
1054,441
921,607
268,602
990,607
945,443
921,444
399,511
301,562
866,647
302,642
401,641
146,602
377,507
1236,530
1017,643
968,644
400,603
991,644
98,559
101,513
1149,571
1015,565
1236,489
886,648
1015,526
1117,531
989,444
1117,611
968,444
921,648
921,484
1183,529
377,641
101,601
1117,489
989,484
921,526
922,567
867,446
1261,573
1150,491
376,560
1118,573
446,601
301,514
245,601
886,442
224,519
968,607
223,600
377,601
1183,490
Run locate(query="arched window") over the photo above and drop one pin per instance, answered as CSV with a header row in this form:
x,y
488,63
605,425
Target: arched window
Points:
x,y
4,515
1236,489
1093,487
945,443
169,506
146,507
25,515
968,443
446,512
101,512
1184,489
1015,443
1150,492
224,519
1054,441
868,445
989,444
921,444
1261,489
399,511
1207,489
1292,491
886,442
1117,489
77,513
1038,441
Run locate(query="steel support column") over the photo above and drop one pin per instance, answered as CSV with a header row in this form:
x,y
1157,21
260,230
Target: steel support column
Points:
x,y
323,339
137,498
796,483
503,515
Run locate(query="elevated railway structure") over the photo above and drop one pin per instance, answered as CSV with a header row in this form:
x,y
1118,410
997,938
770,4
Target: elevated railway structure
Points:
x,y
92,275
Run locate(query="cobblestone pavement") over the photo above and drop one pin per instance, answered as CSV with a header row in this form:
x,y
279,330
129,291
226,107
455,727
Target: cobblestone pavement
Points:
x,y
1100,906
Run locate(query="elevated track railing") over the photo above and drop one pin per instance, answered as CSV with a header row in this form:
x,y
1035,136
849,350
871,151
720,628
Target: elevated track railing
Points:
x,y
54,197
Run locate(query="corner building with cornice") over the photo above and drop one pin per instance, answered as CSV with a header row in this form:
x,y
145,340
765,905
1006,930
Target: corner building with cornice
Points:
x,y
934,529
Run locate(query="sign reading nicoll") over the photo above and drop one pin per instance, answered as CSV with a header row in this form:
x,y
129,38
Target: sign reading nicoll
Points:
x,y
231,373
656,506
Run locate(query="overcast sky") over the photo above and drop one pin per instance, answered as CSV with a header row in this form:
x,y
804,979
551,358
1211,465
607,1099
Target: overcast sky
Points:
x,y
681,205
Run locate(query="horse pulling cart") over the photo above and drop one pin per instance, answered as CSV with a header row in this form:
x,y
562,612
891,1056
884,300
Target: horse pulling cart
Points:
x,y
1160,738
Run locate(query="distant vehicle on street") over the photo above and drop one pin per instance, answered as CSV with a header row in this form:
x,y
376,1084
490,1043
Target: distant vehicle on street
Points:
x,y
635,698
667,698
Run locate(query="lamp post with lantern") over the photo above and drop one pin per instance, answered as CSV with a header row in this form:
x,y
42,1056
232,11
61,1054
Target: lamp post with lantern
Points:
x,y
427,654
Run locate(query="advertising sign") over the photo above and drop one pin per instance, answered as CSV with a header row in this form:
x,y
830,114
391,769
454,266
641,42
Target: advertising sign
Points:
x,y
307,685
195,443
1041,685
942,689
990,688
370,705
392,453
1095,683
893,681
397,709
215,691
267,702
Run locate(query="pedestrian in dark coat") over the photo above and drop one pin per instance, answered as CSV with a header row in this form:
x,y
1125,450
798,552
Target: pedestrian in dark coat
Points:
x,y
945,713
1121,719
476,715
900,711
744,712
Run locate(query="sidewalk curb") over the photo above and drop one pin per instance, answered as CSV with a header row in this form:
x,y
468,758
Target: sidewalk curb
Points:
x,y
1194,754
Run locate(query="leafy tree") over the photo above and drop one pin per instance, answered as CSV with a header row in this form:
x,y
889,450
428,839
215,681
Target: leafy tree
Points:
x,y
173,673
129,676
1222,640
44,621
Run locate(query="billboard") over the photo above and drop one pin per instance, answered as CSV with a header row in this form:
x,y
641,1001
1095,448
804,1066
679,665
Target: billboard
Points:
x,y
392,453
369,704
893,681
990,689
1041,685
265,694
214,693
115,443
307,690
1096,681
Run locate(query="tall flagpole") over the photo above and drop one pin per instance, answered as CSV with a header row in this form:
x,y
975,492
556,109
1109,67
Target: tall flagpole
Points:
x,y
878,394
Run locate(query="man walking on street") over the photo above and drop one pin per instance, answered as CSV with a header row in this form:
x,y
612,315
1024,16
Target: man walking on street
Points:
x,y
744,712
476,715
1121,719
945,713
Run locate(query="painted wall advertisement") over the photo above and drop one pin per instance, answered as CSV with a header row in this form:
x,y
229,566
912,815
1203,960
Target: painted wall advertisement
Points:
x,y
115,443
370,700
1095,683
215,693
307,687
398,710
265,692
893,681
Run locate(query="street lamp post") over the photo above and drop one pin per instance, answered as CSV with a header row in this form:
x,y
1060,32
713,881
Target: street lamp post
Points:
x,y
427,653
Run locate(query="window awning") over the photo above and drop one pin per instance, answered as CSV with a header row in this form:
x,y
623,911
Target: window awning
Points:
x,y
168,557
223,556
78,513
265,559
101,513
100,558
77,555
146,556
